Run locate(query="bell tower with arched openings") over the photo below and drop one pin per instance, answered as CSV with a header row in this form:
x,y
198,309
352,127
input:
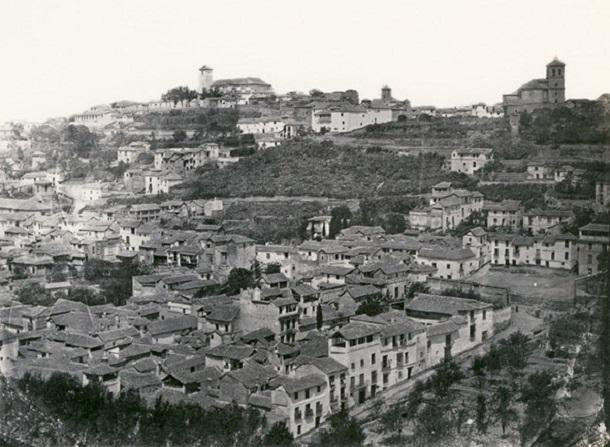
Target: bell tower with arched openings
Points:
x,y
556,78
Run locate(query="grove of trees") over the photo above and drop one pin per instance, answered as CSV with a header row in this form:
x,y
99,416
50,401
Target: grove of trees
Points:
x,y
93,416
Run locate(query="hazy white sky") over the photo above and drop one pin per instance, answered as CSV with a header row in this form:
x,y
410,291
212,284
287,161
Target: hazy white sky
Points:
x,y
60,57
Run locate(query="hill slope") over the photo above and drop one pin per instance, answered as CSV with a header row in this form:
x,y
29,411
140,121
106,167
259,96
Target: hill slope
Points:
x,y
320,170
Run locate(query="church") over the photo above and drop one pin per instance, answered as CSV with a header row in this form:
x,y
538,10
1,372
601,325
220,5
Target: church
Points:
x,y
538,93
237,86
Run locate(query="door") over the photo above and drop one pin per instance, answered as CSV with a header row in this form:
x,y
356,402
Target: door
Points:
x,y
361,396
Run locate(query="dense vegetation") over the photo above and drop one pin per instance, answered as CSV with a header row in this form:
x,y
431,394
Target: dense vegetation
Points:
x,y
584,122
271,221
585,187
212,121
321,170
434,127
114,280
530,195
92,416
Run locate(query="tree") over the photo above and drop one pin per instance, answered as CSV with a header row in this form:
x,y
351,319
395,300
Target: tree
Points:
x,y
371,307
179,95
315,93
146,158
87,296
59,272
417,287
344,431
504,409
319,318
257,272
538,395
35,295
278,436
239,278
447,373
179,136
394,223
432,423
481,413
210,93
78,139
114,278
340,218
391,420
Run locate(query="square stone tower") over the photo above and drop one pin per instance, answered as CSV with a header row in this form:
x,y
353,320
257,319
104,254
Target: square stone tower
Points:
x,y
205,78
555,76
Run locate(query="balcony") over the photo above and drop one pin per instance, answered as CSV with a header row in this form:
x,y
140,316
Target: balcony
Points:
x,y
308,413
298,417
386,365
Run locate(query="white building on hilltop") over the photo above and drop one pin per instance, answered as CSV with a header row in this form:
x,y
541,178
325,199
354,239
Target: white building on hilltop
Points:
x,y
348,118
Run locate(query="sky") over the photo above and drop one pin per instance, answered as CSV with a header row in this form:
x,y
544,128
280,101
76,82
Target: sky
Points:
x,y
59,57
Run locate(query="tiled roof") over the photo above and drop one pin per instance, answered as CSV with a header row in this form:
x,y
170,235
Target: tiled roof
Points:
x,y
326,364
446,253
441,304
253,375
224,313
235,352
170,325
296,384
602,228
354,330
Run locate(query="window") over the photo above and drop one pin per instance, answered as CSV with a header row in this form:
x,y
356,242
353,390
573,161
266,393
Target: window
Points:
x,y
296,396
307,393
567,256
567,244
484,314
353,366
319,388
372,359
361,363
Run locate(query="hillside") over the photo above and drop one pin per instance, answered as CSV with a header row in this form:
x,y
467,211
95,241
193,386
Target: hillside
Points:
x,y
577,122
24,422
320,170
436,128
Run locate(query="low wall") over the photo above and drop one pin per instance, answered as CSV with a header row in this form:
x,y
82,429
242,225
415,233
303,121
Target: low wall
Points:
x,y
499,296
